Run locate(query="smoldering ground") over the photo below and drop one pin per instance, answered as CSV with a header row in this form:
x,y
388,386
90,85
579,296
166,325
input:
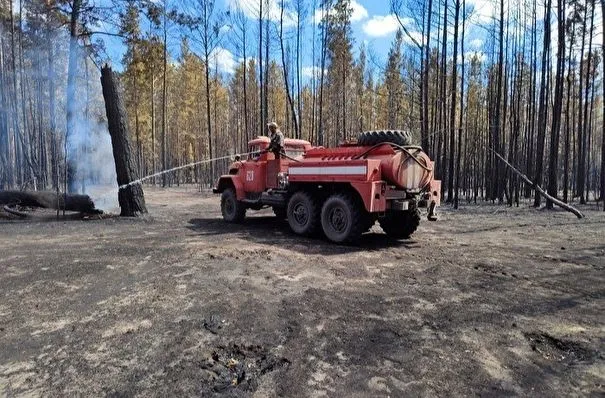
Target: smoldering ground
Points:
x,y
487,301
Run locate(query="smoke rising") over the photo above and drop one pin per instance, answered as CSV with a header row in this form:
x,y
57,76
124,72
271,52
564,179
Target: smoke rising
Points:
x,y
88,144
35,146
89,150
90,154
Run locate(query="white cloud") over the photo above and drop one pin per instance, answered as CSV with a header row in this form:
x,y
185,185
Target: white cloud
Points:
x,y
384,25
223,60
317,16
311,71
483,10
476,43
358,13
381,25
250,8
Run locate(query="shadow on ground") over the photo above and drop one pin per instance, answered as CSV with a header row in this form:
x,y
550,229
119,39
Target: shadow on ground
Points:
x,y
271,230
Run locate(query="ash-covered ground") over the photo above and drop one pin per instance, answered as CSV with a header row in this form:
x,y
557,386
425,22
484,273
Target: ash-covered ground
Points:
x,y
489,300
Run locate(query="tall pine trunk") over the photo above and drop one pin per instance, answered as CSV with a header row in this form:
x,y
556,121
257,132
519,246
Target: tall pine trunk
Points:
x,y
579,169
164,103
553,164
582,167
459,151
603,115
5,155
71,102
285,71
543,105
425,81
570,86
130,198
454,84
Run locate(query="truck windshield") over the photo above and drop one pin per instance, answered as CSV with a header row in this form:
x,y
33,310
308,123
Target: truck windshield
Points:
x,y
255,152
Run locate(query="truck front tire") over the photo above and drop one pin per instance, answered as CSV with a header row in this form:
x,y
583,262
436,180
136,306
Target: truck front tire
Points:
x,y
400,224
341,219
232,209
303,213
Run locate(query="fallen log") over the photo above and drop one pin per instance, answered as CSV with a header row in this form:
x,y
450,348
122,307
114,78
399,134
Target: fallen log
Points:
x,y
556,201
14,212
49,200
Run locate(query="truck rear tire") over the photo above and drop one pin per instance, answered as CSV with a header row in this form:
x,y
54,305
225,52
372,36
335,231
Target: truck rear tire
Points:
x,y
342,219
232,209
399,137
400,224
303,213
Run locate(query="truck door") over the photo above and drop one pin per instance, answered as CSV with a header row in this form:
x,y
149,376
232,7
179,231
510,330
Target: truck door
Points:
x,y
254,171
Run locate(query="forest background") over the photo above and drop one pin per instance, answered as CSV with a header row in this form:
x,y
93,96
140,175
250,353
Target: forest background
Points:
x,y
469,78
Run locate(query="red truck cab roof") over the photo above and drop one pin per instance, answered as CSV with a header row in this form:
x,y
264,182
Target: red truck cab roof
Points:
x,y
263,142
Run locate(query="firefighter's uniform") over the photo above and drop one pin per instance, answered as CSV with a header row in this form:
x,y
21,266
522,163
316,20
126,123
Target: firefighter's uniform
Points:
x,y
277,140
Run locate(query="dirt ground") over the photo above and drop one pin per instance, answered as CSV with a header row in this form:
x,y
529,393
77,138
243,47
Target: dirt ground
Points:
x,y
490,301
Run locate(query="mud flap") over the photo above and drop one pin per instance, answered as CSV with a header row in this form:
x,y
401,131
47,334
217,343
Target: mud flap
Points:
x,y
432,213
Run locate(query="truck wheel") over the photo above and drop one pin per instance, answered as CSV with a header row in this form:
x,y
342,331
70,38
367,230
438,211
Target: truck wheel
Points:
x,y
303,213
400,224
232,209
341,219
399,137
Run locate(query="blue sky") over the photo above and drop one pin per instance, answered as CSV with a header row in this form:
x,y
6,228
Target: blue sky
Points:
x,y
372,24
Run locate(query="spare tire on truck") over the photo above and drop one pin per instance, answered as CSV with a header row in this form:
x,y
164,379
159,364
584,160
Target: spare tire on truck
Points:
x,y
399,137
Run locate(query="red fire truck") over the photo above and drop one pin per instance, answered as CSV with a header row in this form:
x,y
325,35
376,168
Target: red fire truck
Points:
x,y
342,191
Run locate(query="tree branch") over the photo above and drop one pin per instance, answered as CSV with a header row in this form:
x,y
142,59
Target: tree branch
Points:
x,y
407,32
90,33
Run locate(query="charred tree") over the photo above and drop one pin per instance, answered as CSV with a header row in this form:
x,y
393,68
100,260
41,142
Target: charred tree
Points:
x,y
568,113
585,138
553,165
497,188
454,82
285,72
70,158
603,127
537,188
459,149
579,167
130,198
543,105
164,98
425,81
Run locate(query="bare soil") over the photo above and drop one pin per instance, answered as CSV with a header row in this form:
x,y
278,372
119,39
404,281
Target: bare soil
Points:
x,y
489,300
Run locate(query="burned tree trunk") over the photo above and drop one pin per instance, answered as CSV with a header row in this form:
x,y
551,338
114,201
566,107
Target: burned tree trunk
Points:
x,y
130,198
538,189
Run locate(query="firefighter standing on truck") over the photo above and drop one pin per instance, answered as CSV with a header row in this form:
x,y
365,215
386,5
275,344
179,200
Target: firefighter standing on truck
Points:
x,y
277,139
